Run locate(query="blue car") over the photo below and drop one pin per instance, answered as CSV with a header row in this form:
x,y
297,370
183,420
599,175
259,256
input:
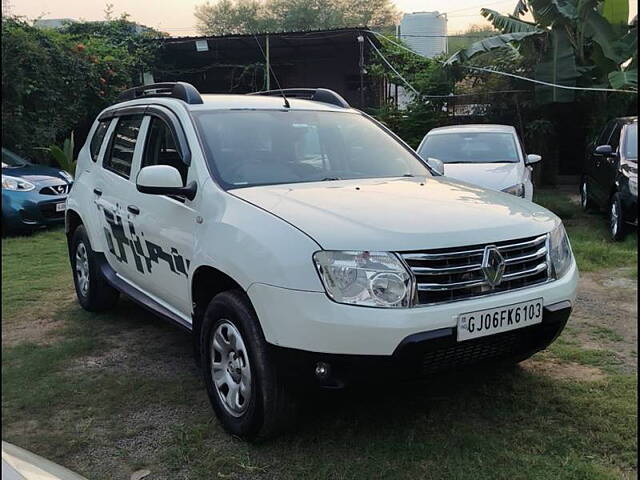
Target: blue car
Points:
x,y
33,196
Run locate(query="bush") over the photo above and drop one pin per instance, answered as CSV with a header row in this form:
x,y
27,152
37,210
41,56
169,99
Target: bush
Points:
x,y
55,82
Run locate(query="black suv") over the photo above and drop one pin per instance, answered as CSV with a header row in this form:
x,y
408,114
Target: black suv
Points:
x,y
610,176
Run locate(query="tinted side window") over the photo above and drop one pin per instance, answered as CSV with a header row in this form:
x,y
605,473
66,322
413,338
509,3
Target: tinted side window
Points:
x,y
614,141
161,149
605,134
98,137
123,144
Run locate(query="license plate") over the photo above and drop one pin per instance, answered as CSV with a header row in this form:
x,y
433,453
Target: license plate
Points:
x,y
501,319
61,207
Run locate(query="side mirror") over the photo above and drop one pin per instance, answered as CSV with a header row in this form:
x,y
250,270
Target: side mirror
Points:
x,y
532,158
164,180
605,150
436,164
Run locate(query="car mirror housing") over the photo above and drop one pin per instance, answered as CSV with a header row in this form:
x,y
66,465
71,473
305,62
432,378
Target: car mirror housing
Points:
x,y
533,158
164,180
604,150
436,165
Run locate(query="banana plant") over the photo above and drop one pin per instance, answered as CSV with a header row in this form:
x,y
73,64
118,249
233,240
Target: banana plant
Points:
x,y
581,43
64,156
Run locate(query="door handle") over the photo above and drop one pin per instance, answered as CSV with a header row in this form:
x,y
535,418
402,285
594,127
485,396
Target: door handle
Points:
x,y
97,191
133,209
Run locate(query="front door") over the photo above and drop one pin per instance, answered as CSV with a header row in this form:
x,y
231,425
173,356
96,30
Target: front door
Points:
x,y
164,226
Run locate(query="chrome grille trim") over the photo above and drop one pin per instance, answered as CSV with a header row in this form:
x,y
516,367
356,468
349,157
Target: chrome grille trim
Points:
x,y
453,274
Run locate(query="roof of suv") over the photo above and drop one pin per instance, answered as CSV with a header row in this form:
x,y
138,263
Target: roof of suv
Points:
x,y
473,127
236,102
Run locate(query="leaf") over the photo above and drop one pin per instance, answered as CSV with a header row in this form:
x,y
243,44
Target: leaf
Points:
x,y
507,23
548,13
558,67
616,11
488,44
60,157
521,8
624,80
598,29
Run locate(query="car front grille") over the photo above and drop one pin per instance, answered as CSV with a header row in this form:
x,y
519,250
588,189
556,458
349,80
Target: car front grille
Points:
x,y
61,189
452,274
492,347
48,211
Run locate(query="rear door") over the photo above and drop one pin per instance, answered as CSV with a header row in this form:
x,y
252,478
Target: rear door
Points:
x,y
115,192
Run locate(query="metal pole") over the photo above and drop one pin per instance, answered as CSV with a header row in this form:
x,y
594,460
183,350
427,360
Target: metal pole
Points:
x,y
268,64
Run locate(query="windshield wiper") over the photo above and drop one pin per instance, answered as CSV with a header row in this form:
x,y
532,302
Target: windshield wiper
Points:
x,y
410,175
329,179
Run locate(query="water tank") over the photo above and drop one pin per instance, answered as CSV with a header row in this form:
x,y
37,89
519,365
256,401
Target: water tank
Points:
x,y
425,32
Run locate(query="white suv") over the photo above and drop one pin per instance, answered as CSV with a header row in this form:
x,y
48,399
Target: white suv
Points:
x,y
302,242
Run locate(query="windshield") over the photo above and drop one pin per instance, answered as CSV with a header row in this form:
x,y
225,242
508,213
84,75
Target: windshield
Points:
x,y
472,147
10,159
266,147
631,142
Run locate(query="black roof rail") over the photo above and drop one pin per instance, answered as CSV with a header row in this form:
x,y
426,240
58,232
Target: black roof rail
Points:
x,y
180,90
323,95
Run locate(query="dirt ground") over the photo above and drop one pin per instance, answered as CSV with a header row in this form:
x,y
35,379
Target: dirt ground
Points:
x,y
604,318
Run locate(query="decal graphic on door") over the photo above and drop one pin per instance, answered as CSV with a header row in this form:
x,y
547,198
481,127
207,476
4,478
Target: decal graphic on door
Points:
x,y
118,241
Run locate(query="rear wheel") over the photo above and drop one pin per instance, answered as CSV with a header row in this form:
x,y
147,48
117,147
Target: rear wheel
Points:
x,y
616,221
585,200
245,389
92,290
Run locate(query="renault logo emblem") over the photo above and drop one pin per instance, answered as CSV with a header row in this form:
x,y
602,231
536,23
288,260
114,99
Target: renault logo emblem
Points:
x,y
492,265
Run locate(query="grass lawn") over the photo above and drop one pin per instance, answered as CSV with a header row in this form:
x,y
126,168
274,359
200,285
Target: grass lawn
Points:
x,y
109,394
589,234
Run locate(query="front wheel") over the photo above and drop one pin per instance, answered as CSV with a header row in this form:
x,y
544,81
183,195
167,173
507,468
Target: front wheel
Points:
x,y
93,292
616,220
245,389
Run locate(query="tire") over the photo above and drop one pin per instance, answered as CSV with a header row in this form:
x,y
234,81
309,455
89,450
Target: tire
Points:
x,y
617,227
585,201
231,335
93,292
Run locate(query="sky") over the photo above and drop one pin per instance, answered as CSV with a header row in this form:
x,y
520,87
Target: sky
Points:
x,y
176,16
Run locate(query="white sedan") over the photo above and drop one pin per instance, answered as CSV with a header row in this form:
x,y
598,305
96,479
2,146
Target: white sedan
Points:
x,y
491,156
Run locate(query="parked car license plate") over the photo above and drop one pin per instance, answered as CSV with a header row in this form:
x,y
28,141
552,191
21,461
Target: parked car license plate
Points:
x,y
61,207
502,319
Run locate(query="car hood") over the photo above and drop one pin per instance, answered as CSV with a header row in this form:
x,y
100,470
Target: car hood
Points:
x,y
36,174
496,176
400,214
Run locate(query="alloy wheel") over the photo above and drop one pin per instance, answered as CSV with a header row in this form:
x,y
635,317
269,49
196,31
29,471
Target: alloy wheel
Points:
x,y
82,268
230,369
614,218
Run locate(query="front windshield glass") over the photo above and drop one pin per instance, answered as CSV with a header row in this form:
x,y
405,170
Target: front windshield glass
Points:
x,y
266,147
471,147
631,142
10,159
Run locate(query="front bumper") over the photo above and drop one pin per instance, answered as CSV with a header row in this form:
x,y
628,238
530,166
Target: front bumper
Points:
x,y
29,210
310,321
422,354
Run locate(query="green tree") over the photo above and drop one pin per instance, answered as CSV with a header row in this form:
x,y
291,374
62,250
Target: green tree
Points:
x,y
259,16
584,43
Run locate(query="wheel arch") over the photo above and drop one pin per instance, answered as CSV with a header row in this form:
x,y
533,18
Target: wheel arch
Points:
x,y
72,220
206,283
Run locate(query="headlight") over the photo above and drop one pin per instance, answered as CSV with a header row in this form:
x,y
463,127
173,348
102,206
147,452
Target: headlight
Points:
x,y
372,279
14,183
517,190
633,186
559,251
66,175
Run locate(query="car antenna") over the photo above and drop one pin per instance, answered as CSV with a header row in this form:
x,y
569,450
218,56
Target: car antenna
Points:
x,y
284,97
